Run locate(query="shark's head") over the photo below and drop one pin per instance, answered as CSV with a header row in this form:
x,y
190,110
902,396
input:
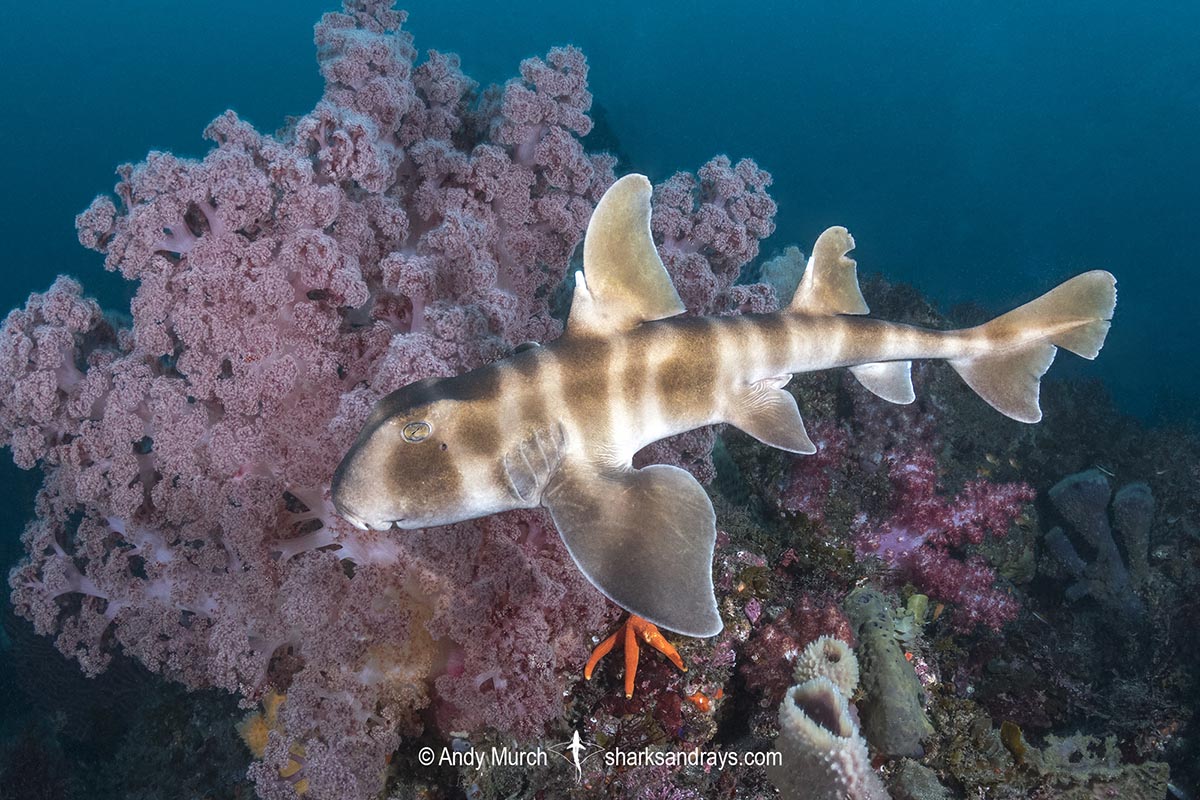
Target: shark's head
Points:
x,y
421,460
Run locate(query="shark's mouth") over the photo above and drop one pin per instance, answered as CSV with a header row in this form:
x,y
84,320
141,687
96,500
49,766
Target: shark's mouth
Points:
x,y
361,522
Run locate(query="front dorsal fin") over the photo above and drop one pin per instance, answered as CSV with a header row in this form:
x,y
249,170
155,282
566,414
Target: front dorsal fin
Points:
x,y
830,282
623,282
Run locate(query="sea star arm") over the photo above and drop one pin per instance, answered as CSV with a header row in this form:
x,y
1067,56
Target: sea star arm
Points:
x,y
634,629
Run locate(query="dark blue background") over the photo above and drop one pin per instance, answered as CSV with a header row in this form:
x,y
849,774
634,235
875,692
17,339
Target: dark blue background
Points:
x,y
982,151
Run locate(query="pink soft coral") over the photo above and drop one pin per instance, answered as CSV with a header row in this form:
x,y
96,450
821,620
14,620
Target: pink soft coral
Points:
x,y
926,528
404,228
921,533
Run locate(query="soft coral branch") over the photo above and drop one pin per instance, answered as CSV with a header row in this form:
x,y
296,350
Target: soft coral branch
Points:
x,y
405,228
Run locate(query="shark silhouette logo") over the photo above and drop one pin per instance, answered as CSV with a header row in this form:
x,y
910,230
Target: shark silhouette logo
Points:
x,y
577,752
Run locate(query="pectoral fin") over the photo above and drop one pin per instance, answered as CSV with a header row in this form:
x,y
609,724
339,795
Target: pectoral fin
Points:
x,y
770,415
644,538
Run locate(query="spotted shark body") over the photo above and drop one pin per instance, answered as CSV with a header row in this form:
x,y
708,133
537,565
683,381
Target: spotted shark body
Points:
x,y
558,425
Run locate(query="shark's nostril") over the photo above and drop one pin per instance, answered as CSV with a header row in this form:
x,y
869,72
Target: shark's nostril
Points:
x,y
349,516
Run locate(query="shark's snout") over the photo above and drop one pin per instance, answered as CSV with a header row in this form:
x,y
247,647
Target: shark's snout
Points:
x,y
359,502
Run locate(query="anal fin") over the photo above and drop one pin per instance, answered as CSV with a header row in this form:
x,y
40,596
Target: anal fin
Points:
x,y
769,414
644,538
891,380
1010,382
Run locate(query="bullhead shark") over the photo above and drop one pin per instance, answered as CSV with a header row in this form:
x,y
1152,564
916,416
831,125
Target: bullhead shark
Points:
x,y
558,425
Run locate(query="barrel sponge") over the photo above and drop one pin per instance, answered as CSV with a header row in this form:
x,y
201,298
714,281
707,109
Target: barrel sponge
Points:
x,y
829,658
823,756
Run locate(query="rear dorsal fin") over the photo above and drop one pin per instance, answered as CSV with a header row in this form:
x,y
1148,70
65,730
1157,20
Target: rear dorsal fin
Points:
x,y
830,282
623,282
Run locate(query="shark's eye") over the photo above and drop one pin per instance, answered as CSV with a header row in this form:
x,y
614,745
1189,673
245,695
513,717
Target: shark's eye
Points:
x,y
416,431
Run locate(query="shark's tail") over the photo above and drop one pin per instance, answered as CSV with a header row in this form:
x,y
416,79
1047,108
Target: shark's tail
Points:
x,y
1075,315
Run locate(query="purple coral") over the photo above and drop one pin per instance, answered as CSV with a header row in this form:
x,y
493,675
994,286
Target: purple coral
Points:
x,y
806,487
404,228
708,226
924,530
768,659
914,528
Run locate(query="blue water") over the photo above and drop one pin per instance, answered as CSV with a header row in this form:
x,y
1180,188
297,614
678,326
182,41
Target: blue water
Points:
x,y
980,151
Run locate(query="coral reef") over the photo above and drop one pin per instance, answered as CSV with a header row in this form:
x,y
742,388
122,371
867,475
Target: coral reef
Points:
x,y
415,225
877,484
768,659
925,529
998,760
1083,767
409,226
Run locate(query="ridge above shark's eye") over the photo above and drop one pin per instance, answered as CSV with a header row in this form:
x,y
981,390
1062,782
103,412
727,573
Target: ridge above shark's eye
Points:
x,y
416,431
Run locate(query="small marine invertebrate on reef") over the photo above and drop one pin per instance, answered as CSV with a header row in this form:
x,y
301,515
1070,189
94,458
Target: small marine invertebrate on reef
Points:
x,y
1083,501
632,633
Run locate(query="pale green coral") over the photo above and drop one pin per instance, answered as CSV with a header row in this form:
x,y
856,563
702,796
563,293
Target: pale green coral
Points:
x,y
892,706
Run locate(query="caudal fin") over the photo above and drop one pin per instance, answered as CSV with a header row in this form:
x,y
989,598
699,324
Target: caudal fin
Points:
x,y
1074,315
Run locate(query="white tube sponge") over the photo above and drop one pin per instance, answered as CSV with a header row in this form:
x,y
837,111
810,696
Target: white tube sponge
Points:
x,y
824,757
830,658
